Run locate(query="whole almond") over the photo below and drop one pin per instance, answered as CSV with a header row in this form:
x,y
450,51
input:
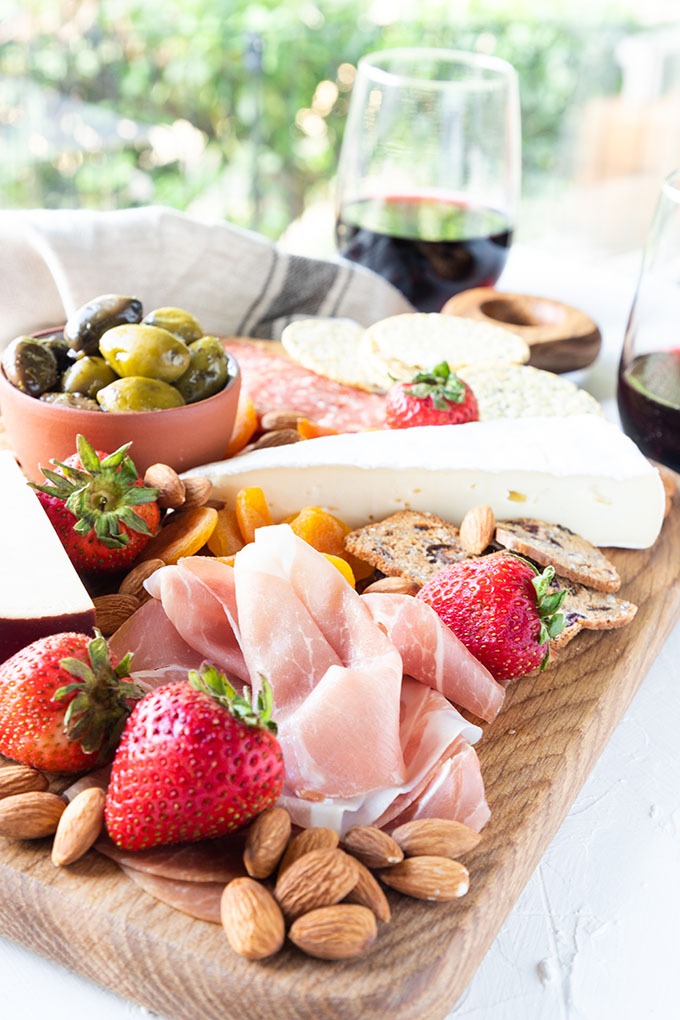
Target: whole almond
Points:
x,y
337,932
252,919
80,826
20,779
170,486
393,586
266,840
30,815
197,492
428,878
318,879
477,529
277,437
133,582
111,611
273,421
439,837
368,893
372,846
316,838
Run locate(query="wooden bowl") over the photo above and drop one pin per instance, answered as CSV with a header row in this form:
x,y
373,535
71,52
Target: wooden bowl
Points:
x,y
183,437
561,338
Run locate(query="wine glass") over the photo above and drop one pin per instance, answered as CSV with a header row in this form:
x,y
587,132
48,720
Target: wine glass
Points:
x,y
648,390
429,170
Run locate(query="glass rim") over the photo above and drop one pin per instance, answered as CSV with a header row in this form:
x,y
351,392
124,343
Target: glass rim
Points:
x,y
370,63
671,186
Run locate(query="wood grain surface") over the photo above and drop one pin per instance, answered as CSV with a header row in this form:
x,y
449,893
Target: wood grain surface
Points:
x,y
535,758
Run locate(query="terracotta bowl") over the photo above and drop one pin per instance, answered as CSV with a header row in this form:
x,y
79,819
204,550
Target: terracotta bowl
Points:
x,y
183,437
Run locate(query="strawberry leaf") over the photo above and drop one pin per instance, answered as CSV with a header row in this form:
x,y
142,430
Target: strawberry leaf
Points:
x,y
209,680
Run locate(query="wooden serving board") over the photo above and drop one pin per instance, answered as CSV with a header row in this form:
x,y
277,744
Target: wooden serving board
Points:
x,y
535,757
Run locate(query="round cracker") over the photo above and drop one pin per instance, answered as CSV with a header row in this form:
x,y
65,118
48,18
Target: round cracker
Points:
x,y
402,345
330,347
521,391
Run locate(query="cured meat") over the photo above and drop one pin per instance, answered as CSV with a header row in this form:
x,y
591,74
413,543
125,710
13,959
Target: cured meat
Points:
x,y
200,900
210,860
277,383
432,654
160,654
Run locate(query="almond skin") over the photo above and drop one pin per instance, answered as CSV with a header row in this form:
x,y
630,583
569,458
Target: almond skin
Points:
x,y
113,610
80,826
318,879
276,437
337,932
266,840
20,779
30,815
170,486
438,837
133,583
197,492
252,919
372,846
393,586
316,838
368,893
477,529
428,878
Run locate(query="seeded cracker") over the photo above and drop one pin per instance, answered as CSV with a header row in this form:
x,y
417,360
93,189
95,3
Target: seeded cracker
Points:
x,y
571,555
585,609
330,347
399,347
407,544
521,391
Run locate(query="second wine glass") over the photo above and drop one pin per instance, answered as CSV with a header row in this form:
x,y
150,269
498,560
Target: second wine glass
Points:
x,y
429,171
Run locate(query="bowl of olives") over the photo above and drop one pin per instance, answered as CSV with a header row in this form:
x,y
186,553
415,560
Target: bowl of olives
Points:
x,y
117,375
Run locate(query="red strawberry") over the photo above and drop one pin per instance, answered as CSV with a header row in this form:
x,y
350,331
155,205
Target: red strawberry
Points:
x,y
501,608
439,397
100,508
195,761
62,703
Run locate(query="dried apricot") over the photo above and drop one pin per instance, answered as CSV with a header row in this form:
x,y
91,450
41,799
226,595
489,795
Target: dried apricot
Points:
x,y
343,566
183,535
326,534
312,430
245,424
252,512
226,538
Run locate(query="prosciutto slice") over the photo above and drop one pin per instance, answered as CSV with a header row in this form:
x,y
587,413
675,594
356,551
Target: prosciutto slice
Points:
x,y
362,740
432,653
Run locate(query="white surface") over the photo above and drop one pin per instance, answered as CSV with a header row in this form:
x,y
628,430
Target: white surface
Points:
x,y
594,935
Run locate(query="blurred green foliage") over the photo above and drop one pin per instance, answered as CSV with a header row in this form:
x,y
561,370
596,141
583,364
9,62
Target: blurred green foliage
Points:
x,y
236,108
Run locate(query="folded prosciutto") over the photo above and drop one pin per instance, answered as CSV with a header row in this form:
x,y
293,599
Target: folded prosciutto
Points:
x,y
363,685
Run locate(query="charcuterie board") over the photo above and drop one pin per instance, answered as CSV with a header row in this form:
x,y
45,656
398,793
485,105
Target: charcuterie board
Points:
x,y
535,757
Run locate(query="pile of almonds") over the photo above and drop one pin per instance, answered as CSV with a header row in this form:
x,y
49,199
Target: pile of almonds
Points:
x,y
325,895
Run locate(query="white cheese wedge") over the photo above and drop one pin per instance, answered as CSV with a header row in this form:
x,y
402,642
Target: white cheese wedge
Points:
x,y
40,591
580,471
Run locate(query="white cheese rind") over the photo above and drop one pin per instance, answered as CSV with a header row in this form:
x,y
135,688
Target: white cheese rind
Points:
x,y
40,591
580,471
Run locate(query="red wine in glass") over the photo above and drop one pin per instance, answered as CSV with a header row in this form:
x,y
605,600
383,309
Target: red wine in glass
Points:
x,y
649,404
429,247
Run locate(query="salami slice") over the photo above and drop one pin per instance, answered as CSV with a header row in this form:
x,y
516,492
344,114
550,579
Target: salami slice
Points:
x,y
276,383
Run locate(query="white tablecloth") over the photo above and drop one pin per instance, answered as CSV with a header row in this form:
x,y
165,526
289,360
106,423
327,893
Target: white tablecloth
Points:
x,y
594,935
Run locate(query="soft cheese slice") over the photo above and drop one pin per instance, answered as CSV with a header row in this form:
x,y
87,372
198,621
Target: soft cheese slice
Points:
x,y
581,471
40,591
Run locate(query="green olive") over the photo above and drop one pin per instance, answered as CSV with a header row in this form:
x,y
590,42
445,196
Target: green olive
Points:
x,y
208,370
87,375
30,366
71,400
139,393
178,322
145,350
87,324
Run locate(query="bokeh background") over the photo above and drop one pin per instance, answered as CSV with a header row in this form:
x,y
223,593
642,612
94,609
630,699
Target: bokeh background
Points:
x,y
235,108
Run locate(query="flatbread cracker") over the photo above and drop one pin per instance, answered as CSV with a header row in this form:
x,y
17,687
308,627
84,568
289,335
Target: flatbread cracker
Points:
x,y
399,347
521,391
407,544
571,555
585,609
330,347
